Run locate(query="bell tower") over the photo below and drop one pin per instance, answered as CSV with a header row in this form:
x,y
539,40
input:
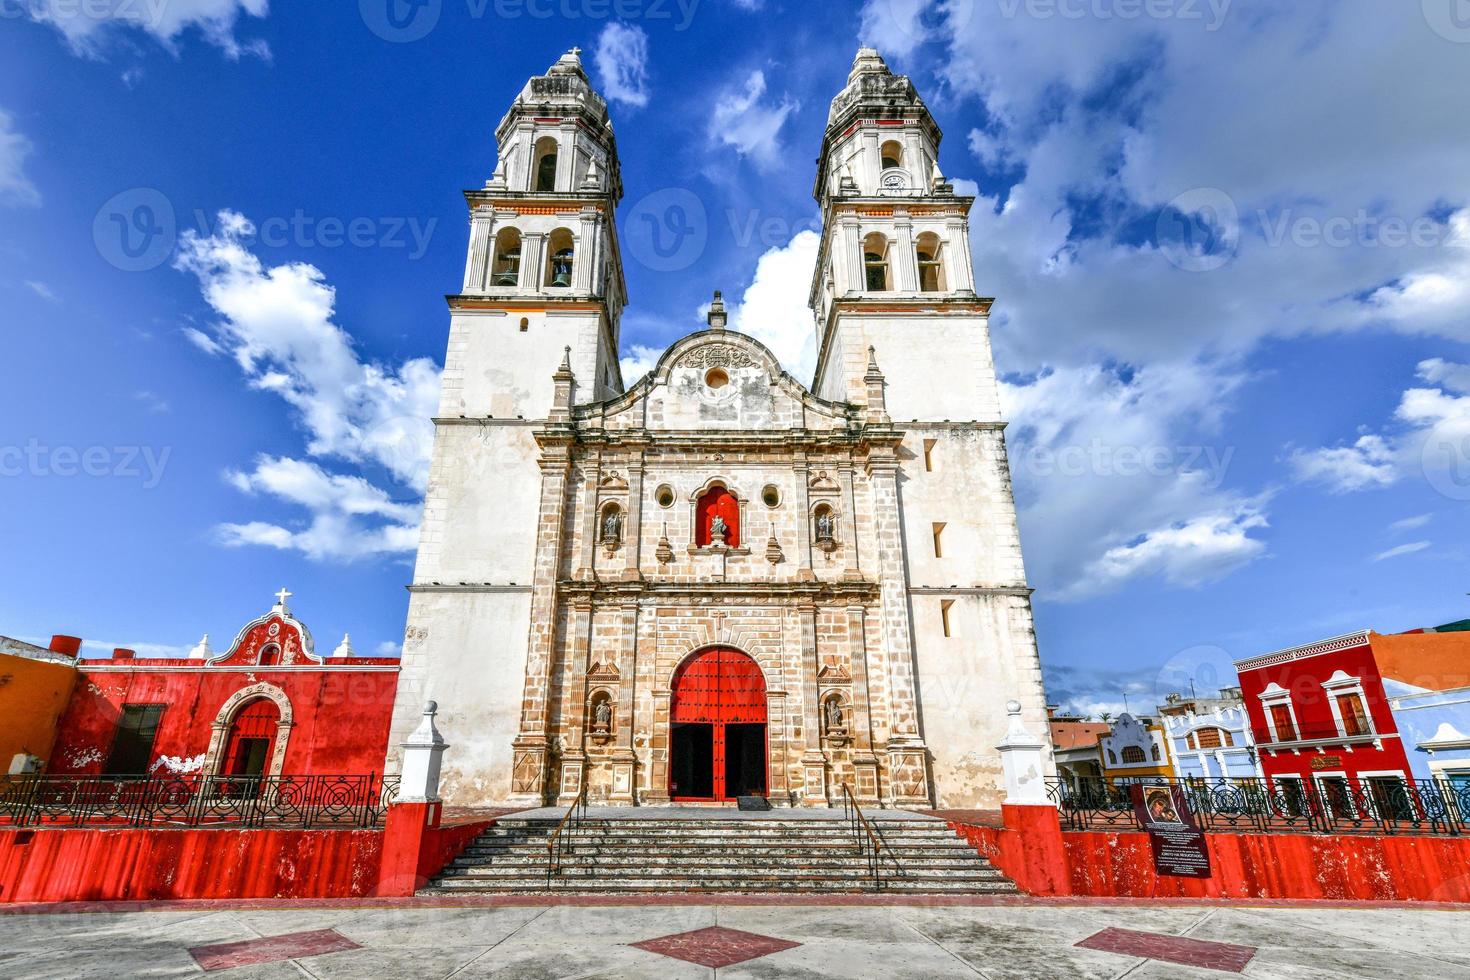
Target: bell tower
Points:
x,y
543,271
533,331
894,271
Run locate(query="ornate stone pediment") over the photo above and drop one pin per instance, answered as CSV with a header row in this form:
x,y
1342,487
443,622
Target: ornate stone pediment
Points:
x,y
822,483
602,671
717,355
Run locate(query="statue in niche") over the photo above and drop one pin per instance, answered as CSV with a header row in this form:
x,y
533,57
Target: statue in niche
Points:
x,y
826,527
718,529
612,527
602,715
834,715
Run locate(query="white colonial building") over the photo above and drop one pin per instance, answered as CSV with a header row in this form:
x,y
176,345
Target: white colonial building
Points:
x,y
718,580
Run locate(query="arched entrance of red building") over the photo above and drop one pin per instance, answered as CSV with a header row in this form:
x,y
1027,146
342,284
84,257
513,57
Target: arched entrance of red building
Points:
x,y
717,722
250,747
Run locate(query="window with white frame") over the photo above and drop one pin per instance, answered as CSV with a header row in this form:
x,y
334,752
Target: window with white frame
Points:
x,y
1346,699
1280,713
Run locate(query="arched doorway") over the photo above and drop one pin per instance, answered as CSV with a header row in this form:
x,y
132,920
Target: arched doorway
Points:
x,y
717,721
250,746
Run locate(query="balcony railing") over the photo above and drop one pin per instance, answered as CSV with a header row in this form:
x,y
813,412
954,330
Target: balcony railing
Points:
x,y
196,801
1314,733
1381,805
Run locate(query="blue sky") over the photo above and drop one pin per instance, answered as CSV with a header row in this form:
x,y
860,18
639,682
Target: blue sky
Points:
x,y
1228,243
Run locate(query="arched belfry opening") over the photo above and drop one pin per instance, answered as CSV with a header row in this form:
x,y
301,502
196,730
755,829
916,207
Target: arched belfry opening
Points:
x,y
717,721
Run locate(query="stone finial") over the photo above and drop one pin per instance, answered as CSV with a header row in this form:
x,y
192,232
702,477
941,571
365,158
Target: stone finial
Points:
x,y
1022,760
564,380
568,64
201,650
868,62
875,383
423,754
593,180
718,318
344,649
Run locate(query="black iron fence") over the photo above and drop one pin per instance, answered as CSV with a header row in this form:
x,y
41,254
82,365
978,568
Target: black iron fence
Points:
x,y
346,802
1370,805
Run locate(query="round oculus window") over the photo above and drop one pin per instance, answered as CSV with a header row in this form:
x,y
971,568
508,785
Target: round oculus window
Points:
x,y
716,378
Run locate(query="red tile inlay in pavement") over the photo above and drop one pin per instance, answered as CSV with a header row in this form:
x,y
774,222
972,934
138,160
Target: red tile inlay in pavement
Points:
x,y
271,949
1227,957
715,946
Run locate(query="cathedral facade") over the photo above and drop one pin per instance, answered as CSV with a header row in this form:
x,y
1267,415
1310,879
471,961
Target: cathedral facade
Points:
x,y
719,580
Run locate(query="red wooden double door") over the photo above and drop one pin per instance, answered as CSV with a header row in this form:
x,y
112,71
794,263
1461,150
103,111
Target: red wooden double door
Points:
x,y
717,720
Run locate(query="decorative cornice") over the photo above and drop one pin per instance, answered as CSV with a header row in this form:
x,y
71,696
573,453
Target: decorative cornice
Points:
x,y
726,593
1334,645
432,587
1020,590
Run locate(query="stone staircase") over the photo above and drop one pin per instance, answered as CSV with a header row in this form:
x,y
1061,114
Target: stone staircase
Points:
x,y
652,855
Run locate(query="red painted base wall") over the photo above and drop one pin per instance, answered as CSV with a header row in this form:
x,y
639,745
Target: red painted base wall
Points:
x,y
95,864
89,864
1270,866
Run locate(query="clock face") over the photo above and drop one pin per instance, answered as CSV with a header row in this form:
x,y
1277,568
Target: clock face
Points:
x,y
895,180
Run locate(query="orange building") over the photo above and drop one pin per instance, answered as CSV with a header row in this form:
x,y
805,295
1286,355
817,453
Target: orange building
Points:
x,y
35,685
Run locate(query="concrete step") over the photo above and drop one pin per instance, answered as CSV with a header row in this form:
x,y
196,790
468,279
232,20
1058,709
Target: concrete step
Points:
x,y
642,856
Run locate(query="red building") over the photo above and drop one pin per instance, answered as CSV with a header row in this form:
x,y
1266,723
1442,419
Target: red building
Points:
x,y
267,706
1320,717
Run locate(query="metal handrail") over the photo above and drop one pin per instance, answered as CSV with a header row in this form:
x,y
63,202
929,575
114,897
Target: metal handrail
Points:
x,y
570,824
860,823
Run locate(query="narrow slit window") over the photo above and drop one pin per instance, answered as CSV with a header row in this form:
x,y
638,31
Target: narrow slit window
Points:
x,y
944,607
929,445
938,541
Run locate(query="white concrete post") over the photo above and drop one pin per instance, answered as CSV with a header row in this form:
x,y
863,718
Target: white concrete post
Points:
x,y
422,755
1020,760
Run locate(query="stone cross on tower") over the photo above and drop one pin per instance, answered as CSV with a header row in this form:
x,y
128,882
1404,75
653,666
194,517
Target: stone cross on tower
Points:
x,y
281,598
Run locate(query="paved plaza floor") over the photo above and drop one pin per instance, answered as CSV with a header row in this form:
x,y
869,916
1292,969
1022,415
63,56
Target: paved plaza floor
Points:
x,y
918,940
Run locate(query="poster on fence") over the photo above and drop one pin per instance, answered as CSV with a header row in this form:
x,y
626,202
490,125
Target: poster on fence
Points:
x,y
1178,844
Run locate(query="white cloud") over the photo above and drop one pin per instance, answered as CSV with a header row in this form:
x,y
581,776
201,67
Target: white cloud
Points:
x,y
1191,552
277,324
1429,436
1403,549
622,63
87,26
15,187
388,648
744,121
774,307
1411,523
638,361
1118,478
341,508
42,290
1368,462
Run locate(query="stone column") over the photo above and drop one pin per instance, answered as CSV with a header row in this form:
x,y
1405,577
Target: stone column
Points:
x,y
633,530
864,763
586,255
803,502
659,744
776,738
624,759
591,517
852,243
905,259
574,702
908,760
529,768
814,764
477,262
533,258
958,267
852,565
